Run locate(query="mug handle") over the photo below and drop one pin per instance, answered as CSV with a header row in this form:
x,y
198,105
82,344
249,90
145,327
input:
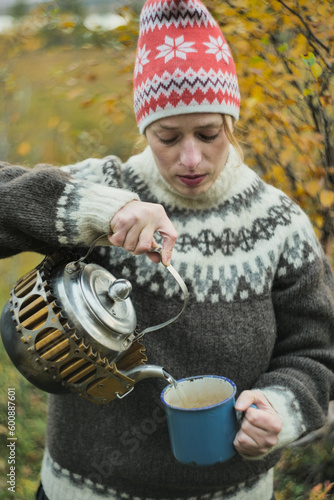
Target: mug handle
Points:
x,y
240,414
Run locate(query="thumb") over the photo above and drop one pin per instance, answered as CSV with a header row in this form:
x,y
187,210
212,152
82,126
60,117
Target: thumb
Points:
x,y
256,398
167,250
245,400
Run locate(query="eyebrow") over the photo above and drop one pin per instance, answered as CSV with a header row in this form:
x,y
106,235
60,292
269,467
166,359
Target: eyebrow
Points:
x,y
207,125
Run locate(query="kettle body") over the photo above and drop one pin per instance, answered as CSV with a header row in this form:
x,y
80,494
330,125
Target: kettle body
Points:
x,y
71,327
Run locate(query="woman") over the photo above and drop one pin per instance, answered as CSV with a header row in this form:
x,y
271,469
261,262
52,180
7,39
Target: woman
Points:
x,y
261,310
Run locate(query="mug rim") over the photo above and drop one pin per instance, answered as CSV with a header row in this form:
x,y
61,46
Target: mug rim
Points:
x,y
163,392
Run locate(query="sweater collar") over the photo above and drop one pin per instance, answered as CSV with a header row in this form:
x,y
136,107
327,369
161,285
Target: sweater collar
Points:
x,y
235,178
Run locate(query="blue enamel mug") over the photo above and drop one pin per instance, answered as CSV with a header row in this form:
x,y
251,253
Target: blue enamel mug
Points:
x,y
202,421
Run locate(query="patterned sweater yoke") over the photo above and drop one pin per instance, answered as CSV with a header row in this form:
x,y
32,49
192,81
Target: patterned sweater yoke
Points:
x,y
238,239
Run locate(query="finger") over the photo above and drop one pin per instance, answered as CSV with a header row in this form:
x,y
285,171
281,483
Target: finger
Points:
x,y
123,221
245,445
128,236
254,397
261,423
117,239
258,433
117,234
154,256
145,241
256,443
245,400
167,250
169,239
261,437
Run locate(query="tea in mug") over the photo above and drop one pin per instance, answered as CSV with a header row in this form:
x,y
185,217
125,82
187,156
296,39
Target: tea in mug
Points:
x,y
197,393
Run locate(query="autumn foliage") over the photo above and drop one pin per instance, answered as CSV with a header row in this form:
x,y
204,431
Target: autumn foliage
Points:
x,y
284,52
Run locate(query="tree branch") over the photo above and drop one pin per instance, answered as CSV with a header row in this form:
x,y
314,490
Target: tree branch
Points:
x,y
309,31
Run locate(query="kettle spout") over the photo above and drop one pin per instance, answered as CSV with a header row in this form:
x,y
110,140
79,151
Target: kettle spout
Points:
x,y
146,371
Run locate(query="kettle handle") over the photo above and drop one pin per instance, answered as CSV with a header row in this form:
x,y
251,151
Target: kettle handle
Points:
x,y
72,266
185,292
170,268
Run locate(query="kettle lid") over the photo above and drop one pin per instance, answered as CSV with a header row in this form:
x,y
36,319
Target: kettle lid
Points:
x,y
107,299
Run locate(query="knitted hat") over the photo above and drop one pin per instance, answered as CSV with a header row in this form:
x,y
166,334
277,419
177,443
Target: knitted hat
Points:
x,y
183,63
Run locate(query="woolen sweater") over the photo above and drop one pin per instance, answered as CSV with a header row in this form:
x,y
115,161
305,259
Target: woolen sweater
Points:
x,y
261,312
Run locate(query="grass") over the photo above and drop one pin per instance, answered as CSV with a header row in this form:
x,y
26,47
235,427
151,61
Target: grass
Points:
x,y
304,473
60,112
30,404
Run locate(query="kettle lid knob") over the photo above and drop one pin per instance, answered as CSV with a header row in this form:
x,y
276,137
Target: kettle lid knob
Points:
x,y
120,289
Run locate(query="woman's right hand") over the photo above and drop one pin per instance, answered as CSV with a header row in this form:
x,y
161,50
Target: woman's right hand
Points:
x,y
133,228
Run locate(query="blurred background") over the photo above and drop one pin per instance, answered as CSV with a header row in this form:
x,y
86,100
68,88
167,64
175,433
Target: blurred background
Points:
x,y
66,94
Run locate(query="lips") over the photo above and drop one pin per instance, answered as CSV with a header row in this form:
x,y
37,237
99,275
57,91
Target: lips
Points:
x,y
192,180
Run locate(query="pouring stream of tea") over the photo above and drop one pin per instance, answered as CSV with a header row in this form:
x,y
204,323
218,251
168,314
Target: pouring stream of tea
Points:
x,y
183,398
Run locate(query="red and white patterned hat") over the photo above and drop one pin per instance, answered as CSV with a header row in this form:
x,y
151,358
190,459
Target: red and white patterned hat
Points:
x,y
183,63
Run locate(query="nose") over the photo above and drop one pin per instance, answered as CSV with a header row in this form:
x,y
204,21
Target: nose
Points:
x,y
190,155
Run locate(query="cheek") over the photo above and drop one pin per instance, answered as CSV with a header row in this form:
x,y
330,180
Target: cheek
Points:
x,y
163,164
219,155
164,159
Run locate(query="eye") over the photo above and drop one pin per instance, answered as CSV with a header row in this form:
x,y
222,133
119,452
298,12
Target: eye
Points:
x,y
208,138
167,141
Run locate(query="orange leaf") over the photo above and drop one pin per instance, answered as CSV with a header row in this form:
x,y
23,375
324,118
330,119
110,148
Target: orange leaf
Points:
x,y
316,70
312,188
24,148
278,173
327,198
326,100
319,220
68,24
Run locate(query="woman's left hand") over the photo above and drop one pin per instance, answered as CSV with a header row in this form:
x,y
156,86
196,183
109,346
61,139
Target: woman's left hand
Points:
x,y
259,427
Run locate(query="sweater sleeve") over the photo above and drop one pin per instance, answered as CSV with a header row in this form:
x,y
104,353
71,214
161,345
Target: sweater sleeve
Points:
x,y
300,379
47,207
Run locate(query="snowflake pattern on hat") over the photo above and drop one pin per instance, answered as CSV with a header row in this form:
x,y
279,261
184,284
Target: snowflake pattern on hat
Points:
x,y
175,48
141,60
183,63
219,48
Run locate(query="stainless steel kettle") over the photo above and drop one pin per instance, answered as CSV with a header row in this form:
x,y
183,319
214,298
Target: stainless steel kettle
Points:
x,y
71,327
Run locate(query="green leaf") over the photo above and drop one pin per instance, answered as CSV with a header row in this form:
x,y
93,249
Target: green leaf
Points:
x,y
308,59
283,48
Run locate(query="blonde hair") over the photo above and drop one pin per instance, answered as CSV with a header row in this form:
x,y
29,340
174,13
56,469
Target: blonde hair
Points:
x,y
227,119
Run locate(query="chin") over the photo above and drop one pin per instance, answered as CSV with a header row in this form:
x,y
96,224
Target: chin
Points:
x,y
192,192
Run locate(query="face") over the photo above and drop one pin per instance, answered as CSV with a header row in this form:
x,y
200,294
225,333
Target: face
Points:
x,y
190,150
